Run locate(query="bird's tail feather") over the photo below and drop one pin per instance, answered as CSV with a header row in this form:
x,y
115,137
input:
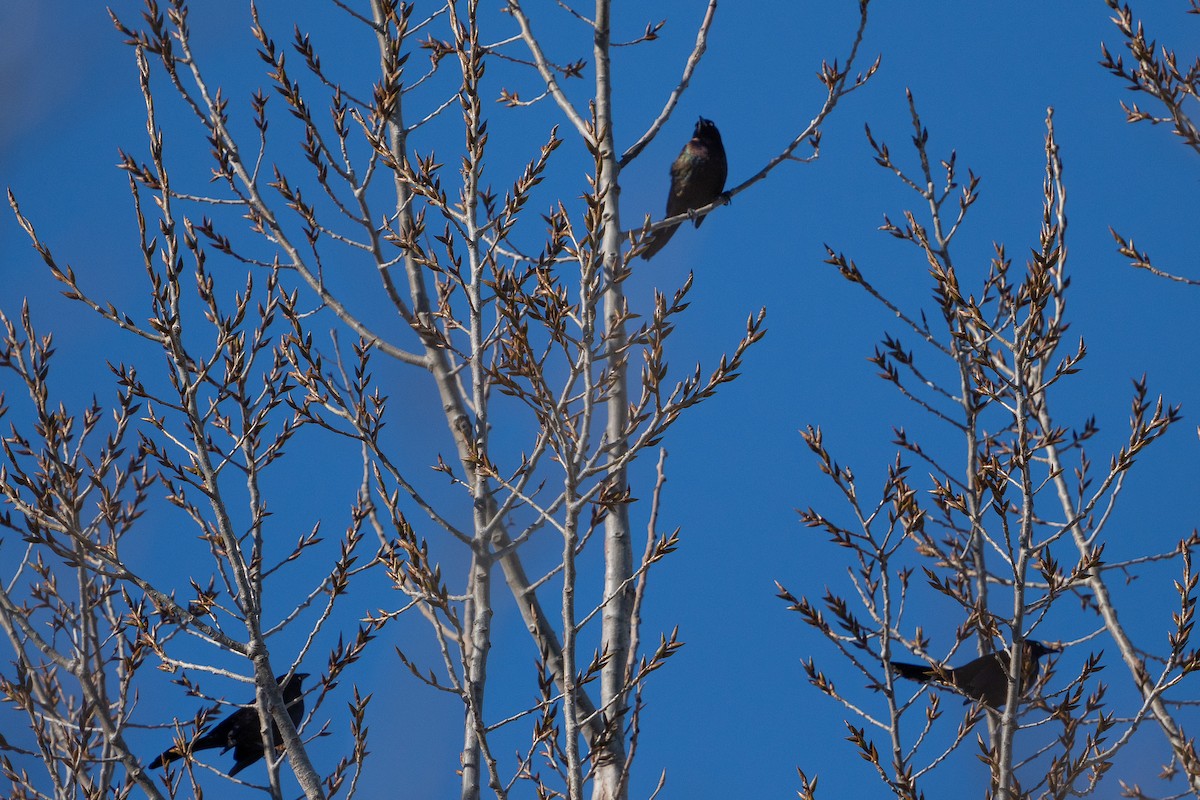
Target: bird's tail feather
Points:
x,y
165,757
657,240
914,672
173,753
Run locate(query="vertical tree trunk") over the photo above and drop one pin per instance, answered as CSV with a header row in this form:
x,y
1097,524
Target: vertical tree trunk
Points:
x,y
609,758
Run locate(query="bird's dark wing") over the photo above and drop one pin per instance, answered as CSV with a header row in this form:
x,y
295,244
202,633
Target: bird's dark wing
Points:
x,y
247,743
985,679
697,178
682,172
240,731
716,169
245,735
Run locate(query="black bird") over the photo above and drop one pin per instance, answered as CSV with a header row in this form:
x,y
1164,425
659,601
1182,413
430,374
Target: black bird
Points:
x,y
240,730
697,179
986,678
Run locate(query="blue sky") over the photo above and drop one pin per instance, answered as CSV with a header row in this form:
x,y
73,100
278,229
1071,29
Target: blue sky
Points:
x,y
732,714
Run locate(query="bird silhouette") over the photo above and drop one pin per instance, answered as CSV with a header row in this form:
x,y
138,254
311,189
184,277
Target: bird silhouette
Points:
x,y
986,678
697,179
240,730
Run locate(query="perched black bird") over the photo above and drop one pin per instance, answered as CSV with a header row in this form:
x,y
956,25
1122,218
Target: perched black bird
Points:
x,y
984,679
697,178
240,730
